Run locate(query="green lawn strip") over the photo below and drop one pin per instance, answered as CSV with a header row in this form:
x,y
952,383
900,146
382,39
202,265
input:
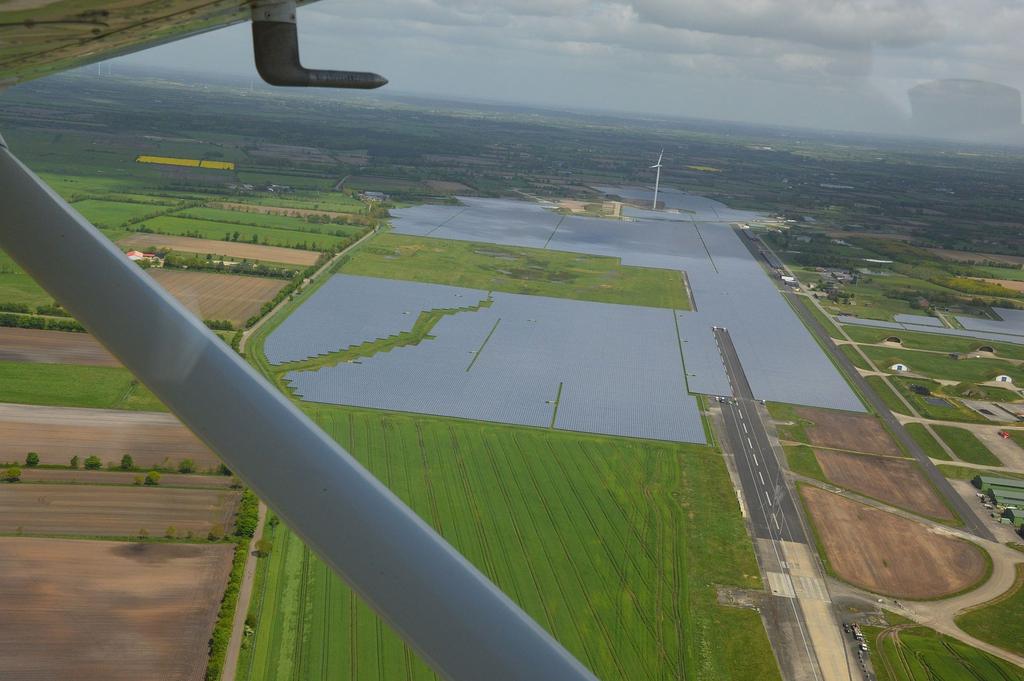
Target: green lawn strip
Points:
x,y
1000,621
925,440
273,220
913,340
916,653
1017,436
966,446
801,460
855,357
514,269
888,396
823,319
955,472
939,366
614,545
789,425
71,385
268,236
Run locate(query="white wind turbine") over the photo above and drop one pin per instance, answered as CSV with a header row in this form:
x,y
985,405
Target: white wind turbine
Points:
x,y
657,180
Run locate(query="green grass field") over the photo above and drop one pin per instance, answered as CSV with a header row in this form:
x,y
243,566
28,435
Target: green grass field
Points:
x,y
955,472
823,319
912,340
790,425
966,446
952,411
69,385
1001,621
855,357
204,229
614,545
259,219
888,396
18,287
917,653
519,270
802,461
939,366
928,443
114,214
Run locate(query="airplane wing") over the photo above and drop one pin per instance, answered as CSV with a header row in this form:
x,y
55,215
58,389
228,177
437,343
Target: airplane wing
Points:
x,y
450,613
39,37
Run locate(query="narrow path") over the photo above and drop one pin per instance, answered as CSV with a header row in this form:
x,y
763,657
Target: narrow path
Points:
x,y
242,607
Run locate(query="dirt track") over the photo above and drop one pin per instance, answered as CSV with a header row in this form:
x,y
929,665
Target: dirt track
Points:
x,y
58,433
890,555
847,430
895,481
53,347
93,510
108,611
219,296
231,249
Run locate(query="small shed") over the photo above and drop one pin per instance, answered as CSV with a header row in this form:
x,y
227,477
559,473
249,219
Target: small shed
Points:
x,y
899,367
1003,378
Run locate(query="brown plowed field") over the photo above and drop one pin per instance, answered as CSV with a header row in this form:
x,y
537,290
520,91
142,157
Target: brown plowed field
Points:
x,y
58,433
71,476
219,296
847,430
890,555
231,249
108,611
53,347
101,510
895,481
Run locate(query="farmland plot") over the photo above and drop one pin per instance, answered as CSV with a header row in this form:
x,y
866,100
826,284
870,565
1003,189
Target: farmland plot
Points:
x,y
53,347
58,433
219,296
108,611
100,510
231,249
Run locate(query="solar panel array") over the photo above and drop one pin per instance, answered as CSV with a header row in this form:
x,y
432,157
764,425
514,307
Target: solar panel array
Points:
x,y
918,319
941,331
372,309
781,359
618,366
1010,322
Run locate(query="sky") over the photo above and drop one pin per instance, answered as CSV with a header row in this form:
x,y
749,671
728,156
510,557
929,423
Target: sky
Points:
x,y
833,64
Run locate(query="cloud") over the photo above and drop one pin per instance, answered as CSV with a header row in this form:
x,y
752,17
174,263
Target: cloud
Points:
x,y
694,57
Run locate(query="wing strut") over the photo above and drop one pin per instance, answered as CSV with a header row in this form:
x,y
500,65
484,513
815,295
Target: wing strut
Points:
x,y
460,623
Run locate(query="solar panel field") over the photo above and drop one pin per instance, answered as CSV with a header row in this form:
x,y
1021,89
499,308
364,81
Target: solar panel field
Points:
x,y
615,546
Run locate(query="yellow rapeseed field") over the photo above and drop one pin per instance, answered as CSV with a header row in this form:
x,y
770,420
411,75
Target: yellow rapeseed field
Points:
x,y
186,162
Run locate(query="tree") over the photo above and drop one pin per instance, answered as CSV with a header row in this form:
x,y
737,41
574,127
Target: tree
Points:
x,y
143,533
171,532
74,461
139,480
216,532
152,478
127,463
12,474
224,470
264,547
93,463
187,466
31,459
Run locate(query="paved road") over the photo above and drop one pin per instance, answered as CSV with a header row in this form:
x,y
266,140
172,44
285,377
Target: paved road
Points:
x,y
972,523
771,507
